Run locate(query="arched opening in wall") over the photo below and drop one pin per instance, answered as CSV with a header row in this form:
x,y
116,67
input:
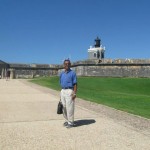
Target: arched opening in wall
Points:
x,y
102,54
95,55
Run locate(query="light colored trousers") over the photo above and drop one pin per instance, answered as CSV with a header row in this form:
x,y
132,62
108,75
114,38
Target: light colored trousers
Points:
x,y
68,105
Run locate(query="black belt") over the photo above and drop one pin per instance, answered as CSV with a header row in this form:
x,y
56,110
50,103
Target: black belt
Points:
x,y
67,88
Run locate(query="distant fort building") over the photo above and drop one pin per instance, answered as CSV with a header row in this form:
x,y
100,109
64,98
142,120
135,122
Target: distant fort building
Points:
x,y
96,52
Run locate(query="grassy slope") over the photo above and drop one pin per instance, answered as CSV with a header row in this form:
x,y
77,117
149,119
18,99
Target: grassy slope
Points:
x,y
128,94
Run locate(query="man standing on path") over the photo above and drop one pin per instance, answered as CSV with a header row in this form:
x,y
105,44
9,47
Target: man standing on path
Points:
x,y
68,82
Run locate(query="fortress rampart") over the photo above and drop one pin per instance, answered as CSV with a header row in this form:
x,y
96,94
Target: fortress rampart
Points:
x,y
33,70
101,68
113,68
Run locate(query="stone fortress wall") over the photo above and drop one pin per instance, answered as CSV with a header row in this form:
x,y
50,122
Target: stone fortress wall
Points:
x,y
114,68
33,70
100,68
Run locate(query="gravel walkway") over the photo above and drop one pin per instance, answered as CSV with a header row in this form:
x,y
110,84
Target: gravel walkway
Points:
x,y
28,121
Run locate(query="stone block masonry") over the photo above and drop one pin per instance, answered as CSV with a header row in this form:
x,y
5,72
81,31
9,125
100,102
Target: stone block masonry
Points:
x,y
31,70
113,68
101,68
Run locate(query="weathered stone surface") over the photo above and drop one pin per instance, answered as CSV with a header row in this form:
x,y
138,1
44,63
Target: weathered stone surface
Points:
x,y
113,71
102,68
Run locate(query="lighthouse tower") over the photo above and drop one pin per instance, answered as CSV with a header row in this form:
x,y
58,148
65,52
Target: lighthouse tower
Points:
x,y
96,51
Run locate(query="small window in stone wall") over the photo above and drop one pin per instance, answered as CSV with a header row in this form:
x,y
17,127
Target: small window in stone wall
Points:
x,y
94,54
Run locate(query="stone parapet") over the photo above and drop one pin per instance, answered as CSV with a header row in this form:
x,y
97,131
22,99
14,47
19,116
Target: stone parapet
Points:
x,y
112,61
44,66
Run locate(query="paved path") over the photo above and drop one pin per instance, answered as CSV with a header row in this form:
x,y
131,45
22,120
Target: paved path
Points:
x,y
28,121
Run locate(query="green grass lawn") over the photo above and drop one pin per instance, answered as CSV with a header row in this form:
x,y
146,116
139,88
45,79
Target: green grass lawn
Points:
x,y
127,94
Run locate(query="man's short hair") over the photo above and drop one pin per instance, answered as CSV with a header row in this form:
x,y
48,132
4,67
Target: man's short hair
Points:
x,y
67,60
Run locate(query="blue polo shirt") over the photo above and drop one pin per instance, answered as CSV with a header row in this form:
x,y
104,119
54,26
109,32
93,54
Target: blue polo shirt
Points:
x,y
68,79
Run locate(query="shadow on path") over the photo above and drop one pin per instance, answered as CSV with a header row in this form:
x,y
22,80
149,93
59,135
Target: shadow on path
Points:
x,y
78,123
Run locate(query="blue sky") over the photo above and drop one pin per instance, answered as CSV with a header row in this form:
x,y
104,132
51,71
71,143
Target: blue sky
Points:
x,y
48,31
